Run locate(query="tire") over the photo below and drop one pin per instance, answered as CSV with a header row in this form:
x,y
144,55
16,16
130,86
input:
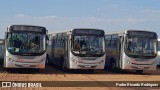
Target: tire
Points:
x,y
139,71
9,70
4,62
47,60
64,67
91,70
113,66
37,70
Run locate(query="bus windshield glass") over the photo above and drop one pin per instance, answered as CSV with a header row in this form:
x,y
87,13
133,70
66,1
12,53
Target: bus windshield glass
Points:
x,y
19,42
158,45
138,46
88,45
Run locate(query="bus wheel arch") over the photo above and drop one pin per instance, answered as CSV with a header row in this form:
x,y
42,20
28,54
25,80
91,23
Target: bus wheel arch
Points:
x,y
112,62
91,70
47,59
139,71
64,65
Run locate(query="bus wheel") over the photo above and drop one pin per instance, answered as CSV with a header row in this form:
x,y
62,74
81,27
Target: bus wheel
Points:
x,y
64,67
47,60
139,71
9,69
37,70
91,70
113,66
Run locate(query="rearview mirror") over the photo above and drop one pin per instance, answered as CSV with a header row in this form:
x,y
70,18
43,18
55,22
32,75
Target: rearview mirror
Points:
x,y
1,41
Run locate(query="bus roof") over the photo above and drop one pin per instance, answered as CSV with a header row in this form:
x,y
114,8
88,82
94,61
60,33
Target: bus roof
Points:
x,y
70,30
31,28
26,25
124,31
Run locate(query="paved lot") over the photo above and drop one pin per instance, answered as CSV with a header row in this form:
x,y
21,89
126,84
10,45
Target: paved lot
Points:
x,y
54,73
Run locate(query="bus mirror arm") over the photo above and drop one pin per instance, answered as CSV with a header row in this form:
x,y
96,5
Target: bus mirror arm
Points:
x,y
47,42
121,38
2,41
47,39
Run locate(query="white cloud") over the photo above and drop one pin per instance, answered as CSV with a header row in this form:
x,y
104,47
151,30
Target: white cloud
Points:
x,y
21,15
98,9
56,23
45,17
119,20
34,17
150,11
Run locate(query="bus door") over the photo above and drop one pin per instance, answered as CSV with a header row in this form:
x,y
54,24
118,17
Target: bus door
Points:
x,y
116,44
66,56
120,50
53,50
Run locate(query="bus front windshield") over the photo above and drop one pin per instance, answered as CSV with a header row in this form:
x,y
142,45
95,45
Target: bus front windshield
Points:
x,y
25,43
158,46
88,45
141,47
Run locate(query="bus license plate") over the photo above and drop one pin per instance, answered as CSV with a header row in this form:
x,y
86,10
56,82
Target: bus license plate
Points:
x,y
141,67
25,65
88,66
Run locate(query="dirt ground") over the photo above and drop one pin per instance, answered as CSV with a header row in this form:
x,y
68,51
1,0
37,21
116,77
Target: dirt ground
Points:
x,y
54,73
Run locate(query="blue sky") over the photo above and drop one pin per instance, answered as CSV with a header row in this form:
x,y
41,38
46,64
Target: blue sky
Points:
x,y
56,15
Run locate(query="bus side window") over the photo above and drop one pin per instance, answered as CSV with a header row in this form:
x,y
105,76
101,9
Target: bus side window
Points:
x,y
56,40
114,41
61,42
49,42
108,41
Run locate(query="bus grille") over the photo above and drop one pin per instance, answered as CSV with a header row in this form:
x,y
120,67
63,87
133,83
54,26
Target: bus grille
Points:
x,y
134,67
22,65
85,67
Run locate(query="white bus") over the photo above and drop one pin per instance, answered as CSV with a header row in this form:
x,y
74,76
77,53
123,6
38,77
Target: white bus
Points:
x,y
158,56
77,49
1,50
25,47
131,49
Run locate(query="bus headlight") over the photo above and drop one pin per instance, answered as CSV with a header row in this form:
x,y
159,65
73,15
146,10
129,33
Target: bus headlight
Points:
x,y
128,62
42,60
101,61
10,59
73,60
154,62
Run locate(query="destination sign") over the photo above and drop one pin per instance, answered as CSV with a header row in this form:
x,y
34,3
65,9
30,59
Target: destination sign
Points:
x,y
27,28
142,34
88,32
